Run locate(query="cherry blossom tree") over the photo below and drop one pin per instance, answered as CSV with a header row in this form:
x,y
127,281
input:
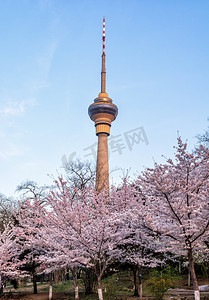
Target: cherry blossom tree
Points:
x,y
95,229
44,230
27,242
8,264
7,206
8,268
176,203
87,220
77,229
140,246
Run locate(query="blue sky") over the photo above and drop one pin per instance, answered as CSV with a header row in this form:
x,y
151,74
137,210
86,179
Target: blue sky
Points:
x,y
157,74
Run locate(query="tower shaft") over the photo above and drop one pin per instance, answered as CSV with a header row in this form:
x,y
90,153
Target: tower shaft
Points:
x,y
102,170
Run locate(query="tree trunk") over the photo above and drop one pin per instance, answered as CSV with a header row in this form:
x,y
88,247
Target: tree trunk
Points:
x,y
136,292
189,277
193,275
99,288
35,291
50,286
75,283
56,276
140,286
179,267
89,280
67,275
140,276
42,278
79,274
1,286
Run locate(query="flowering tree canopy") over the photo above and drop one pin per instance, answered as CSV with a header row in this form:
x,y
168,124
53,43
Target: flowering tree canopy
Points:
x,y
176,202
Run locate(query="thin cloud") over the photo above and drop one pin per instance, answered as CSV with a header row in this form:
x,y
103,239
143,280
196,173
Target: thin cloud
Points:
x,y
40,85
10,151
46,58
11,108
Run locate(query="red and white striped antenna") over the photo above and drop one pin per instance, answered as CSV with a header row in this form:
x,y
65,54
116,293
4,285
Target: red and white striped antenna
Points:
x,y
103,38
103,81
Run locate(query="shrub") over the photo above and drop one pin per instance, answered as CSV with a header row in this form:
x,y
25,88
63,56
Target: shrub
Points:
x,y
159,281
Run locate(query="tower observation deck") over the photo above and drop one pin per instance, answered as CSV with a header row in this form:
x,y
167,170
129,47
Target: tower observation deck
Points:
x,y
103,112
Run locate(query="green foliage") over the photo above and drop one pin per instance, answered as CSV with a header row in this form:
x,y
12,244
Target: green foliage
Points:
x,y
117,286
120,283
89,280
109,290
204,269
160,281
64,286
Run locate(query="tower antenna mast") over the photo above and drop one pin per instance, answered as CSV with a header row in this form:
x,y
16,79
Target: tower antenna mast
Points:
x,y
103,74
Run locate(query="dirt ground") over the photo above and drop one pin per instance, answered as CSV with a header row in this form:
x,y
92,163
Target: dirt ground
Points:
x,y
56,296
177,294
62,296
42,296
59,296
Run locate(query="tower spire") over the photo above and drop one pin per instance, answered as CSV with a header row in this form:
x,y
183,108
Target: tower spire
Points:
x,y
103,74
103,37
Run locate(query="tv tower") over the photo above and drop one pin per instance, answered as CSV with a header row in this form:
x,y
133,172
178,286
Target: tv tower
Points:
x,y
102,112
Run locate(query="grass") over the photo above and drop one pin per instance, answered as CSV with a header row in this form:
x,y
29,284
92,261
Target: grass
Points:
x,y
117,286
120,284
